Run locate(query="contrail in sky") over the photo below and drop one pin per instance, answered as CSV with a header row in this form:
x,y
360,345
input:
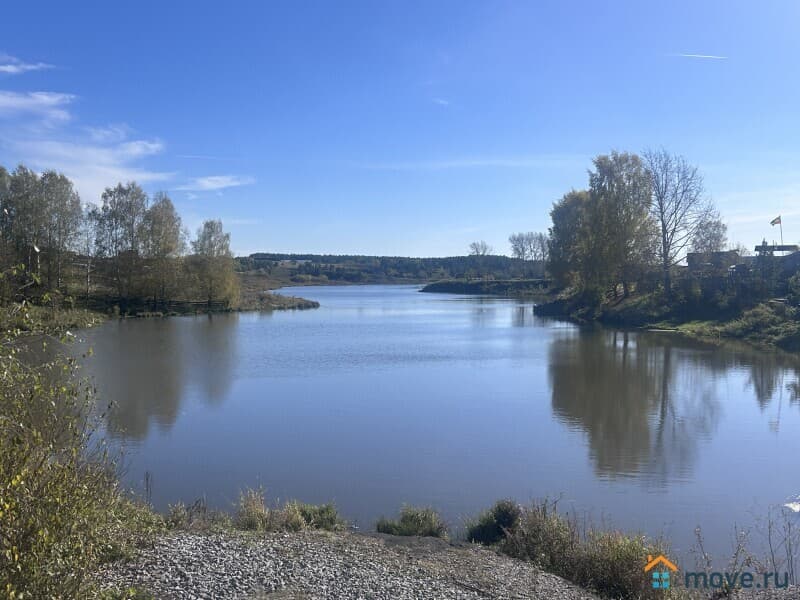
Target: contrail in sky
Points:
x,y
707,56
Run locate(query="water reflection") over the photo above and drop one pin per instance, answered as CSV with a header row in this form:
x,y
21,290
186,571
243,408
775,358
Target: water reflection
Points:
x,y
645,401
483,313
648,402
522,316
143,367
621,389
212,344
767,371
145,384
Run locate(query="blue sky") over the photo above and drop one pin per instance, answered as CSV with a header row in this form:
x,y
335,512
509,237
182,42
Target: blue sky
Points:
x,y
401,128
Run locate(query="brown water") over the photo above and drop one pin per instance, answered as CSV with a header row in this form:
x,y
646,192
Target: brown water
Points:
x,y
385,395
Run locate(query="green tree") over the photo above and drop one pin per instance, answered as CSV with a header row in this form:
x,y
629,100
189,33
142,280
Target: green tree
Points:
x,y
86,247
213,264
622,233
61,223
6,250
568,238
163,244
119,233
26,217
604,236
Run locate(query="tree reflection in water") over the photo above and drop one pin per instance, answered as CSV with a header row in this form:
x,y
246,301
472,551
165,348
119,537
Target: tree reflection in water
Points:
x,y
621,390
145,366
643,419
141,370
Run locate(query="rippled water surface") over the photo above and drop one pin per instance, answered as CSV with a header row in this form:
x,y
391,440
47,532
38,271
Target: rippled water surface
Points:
x,y
385,395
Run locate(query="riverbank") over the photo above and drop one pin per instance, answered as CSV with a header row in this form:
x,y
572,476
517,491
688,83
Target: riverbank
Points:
x,y
478,287
322,564
771,324
318,564
27,317
44,319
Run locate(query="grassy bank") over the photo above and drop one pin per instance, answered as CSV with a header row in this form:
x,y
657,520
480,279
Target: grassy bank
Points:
x,y
605,561
509,287
268,301
254,294
253,513
766,324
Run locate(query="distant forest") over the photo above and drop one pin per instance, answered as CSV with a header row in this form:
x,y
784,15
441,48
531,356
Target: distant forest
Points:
x,y
375,269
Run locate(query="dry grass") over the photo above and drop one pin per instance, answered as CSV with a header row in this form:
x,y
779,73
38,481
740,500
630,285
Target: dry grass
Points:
x,y
253,514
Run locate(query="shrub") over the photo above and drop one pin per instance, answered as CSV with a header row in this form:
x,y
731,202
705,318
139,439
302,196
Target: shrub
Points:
x,y
755,320
544,537
318,516
794,288
492,525
423,522
612,563
609,562
61,510
252,512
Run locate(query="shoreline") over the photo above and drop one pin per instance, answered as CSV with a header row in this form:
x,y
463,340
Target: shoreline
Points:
x,y
765,326
322,564
504,288
316,563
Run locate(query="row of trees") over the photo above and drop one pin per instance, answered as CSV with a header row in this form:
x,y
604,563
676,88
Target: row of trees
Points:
x,y
530,246
638,214
129,249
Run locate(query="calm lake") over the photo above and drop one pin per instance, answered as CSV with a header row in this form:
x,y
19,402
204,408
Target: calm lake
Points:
x,y
385,396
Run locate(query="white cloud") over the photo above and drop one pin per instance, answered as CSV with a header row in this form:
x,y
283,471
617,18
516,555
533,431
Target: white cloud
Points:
x,y
139,148
110,133
36,129
14,66
441,101
215,182
92,166
50,107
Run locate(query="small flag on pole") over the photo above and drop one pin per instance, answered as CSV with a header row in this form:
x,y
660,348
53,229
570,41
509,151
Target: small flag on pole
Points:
x,y
776,221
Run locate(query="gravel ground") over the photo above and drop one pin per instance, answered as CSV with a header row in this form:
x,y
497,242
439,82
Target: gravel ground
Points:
x,y
792,593
329,565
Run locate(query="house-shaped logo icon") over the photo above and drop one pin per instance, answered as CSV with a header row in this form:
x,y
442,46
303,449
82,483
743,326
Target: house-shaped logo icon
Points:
x,y
660,567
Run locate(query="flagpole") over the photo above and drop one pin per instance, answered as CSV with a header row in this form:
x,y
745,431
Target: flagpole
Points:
x,y
781,224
